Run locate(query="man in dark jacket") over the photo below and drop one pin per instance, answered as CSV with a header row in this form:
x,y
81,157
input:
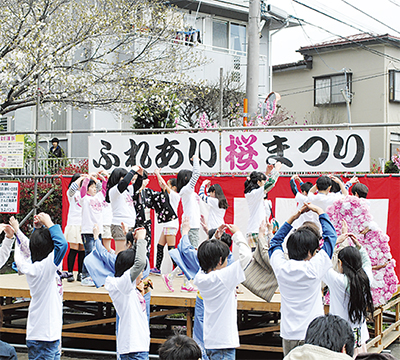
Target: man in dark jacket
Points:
x,y
56,150
55,153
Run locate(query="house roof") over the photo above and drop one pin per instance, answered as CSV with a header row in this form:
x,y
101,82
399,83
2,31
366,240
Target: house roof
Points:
x,y
351,41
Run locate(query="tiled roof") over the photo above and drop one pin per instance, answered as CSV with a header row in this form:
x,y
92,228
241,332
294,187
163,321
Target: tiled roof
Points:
x,y
350,40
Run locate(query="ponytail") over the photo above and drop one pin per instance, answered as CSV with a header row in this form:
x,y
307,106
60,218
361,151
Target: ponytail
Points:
x,y
251,182
360,299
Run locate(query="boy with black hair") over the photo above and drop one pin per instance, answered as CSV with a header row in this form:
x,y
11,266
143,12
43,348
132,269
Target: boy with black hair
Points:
x,y
299,277
360,190
179,347
133,335
217,285
325,198
47,247
328,337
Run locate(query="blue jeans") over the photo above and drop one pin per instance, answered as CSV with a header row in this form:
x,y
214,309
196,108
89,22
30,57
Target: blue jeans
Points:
x,y
198,326
43,350
142,355
221,354
88,244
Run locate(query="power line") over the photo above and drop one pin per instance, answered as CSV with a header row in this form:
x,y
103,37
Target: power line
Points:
x,y
370,16
282,92
373,51
343,22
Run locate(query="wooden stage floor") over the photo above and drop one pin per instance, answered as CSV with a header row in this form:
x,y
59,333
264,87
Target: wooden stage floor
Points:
x,y
257,319
163,303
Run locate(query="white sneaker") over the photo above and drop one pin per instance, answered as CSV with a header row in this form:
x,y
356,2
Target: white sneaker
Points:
x,y
87,281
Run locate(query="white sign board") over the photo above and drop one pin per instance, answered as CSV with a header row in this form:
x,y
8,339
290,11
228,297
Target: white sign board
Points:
x,y
311,151
11,151
170,152
9,196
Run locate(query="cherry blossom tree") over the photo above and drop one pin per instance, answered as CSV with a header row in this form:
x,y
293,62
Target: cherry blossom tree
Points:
x,y
108,54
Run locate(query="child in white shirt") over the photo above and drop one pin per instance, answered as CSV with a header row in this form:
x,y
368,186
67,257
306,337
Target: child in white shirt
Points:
x,y
217,285
133,336
92,213
299,277
217,202
186,181
325,198
255,188
47,247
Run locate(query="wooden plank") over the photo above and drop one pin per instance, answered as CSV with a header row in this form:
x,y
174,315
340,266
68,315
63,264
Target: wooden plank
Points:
x,y
167,312
390,328
373,341
13,330
16,305
261,348
67,334
259,330
157,341
189,322
391,303
386,341
89,323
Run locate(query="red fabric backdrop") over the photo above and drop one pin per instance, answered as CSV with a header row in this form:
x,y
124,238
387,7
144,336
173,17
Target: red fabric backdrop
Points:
x,y
379,188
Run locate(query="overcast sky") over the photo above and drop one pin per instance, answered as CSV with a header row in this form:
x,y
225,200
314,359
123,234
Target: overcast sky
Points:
x,y
287,41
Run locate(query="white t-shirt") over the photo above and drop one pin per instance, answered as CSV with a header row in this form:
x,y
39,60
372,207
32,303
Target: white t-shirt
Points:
x,y
339,297
92,213
218,290
133,331
174,200
308,216
107,212
216,214
45,310
122,206
75,209
255,202
191,206
300,287
324,201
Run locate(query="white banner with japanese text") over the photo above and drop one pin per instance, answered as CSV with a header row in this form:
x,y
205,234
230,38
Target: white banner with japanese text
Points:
x,y
170,152
299,151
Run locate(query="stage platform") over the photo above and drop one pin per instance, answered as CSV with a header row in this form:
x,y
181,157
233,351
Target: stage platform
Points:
x,y
163,303
258,320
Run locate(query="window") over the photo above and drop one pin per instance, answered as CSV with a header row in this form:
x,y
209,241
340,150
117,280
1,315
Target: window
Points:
x,y
394,86
220,34
327,89
238,37
394,143
3,124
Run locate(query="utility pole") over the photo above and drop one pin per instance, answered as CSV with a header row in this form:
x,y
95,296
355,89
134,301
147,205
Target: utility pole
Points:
x,y
253,57
36,146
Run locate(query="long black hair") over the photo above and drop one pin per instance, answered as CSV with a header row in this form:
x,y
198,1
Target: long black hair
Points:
x,y
360,301
75,177
124,261
251,182
219,194
183,179
114,179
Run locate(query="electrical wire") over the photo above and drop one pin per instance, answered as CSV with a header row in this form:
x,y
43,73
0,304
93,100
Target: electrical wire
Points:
x,y
344,23
370,16
373,51
283,92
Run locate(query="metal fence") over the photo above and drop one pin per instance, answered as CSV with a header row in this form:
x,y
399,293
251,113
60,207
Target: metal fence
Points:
x,y
46,166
